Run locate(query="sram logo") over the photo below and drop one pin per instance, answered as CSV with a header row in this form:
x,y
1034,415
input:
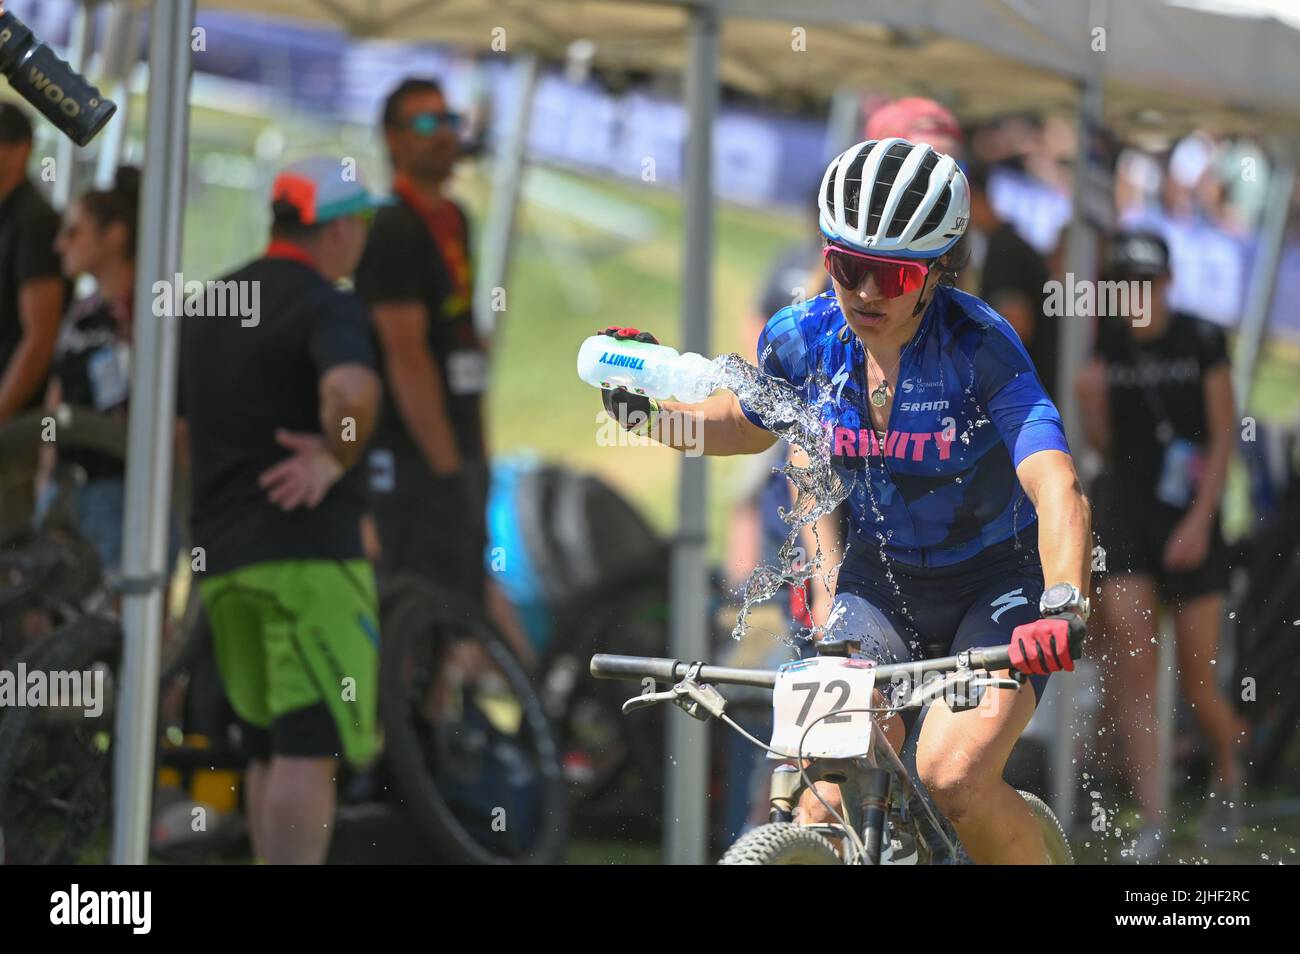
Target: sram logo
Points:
x,y
923,406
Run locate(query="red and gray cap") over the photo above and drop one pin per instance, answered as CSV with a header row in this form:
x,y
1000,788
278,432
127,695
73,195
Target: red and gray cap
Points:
x,y
913,117
319,190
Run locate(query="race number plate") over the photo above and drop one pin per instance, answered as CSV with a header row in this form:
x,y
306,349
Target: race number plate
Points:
x,y
810,695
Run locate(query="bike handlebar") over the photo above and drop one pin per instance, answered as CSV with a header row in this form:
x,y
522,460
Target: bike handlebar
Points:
x,y
607,666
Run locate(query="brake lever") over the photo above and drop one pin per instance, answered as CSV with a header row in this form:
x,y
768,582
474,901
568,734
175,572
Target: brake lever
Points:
x,y
647,700
963,689
698,700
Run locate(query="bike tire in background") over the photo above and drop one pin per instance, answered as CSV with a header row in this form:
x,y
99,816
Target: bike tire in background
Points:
x,y
56,768
475,764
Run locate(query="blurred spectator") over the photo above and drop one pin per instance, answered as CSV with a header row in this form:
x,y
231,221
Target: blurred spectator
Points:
x,y
1013,280
920,120
1157,403
92,357
428,465
32,298
280,406
1208,261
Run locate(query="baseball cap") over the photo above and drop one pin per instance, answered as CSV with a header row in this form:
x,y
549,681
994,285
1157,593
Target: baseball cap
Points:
x,y
1139,254
319,190
911,118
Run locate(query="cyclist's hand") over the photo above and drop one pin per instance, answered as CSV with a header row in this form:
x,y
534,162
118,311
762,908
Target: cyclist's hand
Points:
x,y
634,412
305,477
1047,645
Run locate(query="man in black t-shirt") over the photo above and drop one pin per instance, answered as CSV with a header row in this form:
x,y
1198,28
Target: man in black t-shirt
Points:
x,y
1157,403
1014,280
32,297
428,470
281,398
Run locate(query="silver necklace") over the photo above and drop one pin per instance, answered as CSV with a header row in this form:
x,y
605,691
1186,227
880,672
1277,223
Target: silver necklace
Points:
x,y
880,393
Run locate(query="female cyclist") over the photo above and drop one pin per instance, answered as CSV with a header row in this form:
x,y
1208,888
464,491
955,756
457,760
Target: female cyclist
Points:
x,y
953,452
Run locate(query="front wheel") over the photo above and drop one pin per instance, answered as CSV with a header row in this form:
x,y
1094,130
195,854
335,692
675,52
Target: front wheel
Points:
x,y
1058,848
781,843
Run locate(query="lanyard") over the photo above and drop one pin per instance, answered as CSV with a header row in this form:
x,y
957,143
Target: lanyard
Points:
x,y
444,224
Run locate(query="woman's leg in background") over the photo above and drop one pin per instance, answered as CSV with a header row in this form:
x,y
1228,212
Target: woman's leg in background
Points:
x,y
1124,648
1199,623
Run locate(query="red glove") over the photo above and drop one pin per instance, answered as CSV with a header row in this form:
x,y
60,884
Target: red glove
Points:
x,y
1047,645
623,334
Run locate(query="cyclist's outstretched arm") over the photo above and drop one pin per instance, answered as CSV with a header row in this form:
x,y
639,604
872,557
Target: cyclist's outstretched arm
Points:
x,y
715,426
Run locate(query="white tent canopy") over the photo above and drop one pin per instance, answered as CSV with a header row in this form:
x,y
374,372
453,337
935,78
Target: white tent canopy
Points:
x,y
1235,73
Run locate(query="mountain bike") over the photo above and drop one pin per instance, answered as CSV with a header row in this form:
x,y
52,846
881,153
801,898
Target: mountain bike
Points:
x,y
824,731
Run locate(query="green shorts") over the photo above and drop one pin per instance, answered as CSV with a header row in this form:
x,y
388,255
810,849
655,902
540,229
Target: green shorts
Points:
x,y
291,635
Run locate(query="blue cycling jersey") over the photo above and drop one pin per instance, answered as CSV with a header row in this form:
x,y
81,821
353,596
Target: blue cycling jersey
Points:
x,y
940,485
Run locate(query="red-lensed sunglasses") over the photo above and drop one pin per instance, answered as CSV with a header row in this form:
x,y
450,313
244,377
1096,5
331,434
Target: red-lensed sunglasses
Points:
x,y
893,277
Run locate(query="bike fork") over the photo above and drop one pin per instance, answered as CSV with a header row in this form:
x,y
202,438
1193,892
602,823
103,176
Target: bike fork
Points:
x,y
869,794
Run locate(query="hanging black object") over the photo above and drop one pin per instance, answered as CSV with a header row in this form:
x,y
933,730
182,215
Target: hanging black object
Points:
x,y
60,93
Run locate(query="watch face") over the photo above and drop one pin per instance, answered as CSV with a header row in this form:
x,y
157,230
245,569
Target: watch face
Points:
x,y
1060,594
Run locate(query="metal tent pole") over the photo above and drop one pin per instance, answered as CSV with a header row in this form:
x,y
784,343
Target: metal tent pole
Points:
x,y
507,182
118,59
65,154
686,809
1263,277
1074,343
149,431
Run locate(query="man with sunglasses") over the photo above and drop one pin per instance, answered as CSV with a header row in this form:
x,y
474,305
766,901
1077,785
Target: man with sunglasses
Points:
x,y
428,470
937,420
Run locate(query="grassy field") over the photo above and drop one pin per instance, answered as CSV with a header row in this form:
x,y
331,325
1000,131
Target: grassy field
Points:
x,y
569,281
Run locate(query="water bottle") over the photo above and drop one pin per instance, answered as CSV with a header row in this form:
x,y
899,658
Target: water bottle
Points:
x,y
61,93
643,368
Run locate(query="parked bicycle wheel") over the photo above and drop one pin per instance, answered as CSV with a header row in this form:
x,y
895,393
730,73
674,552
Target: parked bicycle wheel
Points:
x,y
472,754
56,762
601,748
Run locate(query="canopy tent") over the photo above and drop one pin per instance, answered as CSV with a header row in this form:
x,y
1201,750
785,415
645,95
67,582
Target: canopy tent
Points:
x,y
981,56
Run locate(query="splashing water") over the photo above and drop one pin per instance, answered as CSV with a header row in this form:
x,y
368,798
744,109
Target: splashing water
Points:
x,y
818,488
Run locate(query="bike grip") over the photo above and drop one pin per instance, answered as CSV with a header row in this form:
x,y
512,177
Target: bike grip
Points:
x,y
608,666
993,658
61,94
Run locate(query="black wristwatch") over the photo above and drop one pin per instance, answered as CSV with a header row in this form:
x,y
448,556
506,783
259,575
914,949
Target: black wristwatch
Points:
x,y
1061,598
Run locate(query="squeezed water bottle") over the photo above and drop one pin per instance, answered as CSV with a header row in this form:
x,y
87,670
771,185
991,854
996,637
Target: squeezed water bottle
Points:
x,y
643,368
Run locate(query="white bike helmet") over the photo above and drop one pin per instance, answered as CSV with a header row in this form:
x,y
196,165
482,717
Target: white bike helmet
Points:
x,y
896,198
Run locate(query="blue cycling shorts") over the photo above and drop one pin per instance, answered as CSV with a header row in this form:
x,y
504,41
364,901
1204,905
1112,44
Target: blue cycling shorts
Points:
x,y
904,612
